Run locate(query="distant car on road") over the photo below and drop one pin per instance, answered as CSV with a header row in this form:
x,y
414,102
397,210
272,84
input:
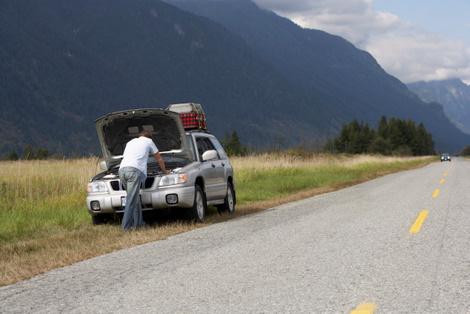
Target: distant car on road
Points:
x,y
201,173
445,157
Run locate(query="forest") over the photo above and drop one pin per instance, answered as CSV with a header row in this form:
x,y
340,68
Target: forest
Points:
x,y
391,137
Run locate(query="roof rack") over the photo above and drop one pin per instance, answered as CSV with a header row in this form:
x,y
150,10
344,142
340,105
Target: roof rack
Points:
x,y
191,114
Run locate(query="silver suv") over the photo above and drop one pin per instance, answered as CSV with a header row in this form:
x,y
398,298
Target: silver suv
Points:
x,y
201,173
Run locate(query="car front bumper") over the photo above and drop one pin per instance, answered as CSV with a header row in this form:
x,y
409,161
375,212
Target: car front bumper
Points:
x,y
151,200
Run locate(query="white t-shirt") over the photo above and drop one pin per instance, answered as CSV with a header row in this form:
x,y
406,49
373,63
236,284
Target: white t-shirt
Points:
x,y
136,153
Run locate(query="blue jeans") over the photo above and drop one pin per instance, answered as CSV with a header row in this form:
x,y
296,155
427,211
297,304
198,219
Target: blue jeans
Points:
x,y
132,178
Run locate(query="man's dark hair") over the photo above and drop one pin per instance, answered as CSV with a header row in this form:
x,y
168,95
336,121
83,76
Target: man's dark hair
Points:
x,y
146,133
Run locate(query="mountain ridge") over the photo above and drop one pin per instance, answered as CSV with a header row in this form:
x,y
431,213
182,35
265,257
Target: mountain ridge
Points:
x,y
112,55
347,81
453,94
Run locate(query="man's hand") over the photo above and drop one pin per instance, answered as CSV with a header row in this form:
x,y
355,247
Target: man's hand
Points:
x,y
161,163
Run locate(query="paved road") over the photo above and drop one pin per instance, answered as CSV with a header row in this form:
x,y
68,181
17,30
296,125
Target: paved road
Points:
x,y
327,254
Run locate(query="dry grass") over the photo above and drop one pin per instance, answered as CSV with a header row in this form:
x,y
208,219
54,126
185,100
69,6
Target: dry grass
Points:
x,y
29,257
282,160
44,223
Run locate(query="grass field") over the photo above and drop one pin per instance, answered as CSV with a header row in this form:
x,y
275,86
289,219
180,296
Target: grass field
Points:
x,y
44,223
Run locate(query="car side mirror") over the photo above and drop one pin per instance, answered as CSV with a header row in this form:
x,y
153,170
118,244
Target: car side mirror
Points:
x,y
209,155
103,165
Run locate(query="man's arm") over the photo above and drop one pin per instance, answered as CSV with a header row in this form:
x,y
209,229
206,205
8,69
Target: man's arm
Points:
x,y
160,162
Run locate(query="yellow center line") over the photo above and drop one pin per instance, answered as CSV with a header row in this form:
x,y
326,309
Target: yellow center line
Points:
x,y
365,308
436,193
416,227
442,181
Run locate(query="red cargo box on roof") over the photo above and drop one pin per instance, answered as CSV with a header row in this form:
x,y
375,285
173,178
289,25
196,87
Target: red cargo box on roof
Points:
x,y
192,115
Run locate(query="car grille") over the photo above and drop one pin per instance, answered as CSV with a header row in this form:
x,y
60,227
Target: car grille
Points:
x,y
149,182
116,186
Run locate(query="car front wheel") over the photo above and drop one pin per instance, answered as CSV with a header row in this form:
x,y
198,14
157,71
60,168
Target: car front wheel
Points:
x,y
100,219
199,205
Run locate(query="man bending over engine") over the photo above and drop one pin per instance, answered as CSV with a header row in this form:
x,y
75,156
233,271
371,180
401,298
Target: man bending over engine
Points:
x,y
133,172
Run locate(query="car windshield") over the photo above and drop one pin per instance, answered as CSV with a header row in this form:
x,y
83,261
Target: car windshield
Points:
x,y
173,159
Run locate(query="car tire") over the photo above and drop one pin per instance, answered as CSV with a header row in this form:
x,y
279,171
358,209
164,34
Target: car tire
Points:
x,y
229,202
100,219
199,209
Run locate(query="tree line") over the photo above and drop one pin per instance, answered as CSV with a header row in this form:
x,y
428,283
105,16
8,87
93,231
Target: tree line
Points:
x,y
392,137
29,153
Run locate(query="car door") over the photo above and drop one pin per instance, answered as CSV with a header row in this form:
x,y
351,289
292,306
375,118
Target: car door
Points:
x,y
210,170
224,168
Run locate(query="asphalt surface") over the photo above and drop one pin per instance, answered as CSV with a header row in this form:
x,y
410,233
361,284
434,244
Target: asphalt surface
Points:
x,y
327,254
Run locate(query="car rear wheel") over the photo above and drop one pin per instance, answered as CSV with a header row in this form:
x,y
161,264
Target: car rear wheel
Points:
x,y
229,201
200,205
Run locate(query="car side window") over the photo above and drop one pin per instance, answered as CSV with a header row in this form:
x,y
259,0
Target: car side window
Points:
x,y
219,148
209,144
203,145
200,147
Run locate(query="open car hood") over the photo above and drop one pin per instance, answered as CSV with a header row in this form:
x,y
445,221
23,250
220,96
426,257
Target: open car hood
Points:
x,y
117,128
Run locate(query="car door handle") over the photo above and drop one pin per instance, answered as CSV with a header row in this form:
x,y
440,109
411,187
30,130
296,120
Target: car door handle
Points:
x,y
213,166
223,165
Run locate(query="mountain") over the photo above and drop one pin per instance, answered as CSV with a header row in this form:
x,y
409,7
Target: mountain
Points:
x,y
347,82
453,94
65,63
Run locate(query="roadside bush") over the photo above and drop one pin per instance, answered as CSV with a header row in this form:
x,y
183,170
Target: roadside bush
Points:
x,y
403,150
13,155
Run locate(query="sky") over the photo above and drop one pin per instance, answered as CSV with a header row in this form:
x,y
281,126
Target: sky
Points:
x,y
451,21
414,40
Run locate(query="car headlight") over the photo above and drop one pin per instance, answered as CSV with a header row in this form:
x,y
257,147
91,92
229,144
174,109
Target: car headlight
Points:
x,y
173,179
97,187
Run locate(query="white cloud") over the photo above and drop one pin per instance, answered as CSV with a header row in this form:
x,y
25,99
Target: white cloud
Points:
x,y
418,56
404,50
